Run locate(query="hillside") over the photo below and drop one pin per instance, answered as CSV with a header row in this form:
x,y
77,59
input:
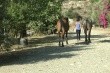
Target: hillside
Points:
x,y
78,6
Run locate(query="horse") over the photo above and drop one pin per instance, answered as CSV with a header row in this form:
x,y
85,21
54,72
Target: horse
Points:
x,y
62,27
87,26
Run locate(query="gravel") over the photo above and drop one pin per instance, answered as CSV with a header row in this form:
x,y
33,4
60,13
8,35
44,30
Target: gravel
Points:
x,y
76,57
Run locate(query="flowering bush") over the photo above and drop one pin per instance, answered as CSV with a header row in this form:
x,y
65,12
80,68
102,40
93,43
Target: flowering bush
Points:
x,y
104,12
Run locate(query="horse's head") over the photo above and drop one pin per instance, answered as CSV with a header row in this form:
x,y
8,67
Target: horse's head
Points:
x,y
65,20
83,21
89,20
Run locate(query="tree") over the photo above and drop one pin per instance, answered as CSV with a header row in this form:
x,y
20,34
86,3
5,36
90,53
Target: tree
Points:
x,y
42,13
104,9
15,15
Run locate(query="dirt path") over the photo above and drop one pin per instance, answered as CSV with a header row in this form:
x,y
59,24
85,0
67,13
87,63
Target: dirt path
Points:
x,y
73,58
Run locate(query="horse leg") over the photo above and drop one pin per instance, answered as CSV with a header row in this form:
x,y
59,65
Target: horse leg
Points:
x,y
66,37
89,35
59,37
85,32
62,40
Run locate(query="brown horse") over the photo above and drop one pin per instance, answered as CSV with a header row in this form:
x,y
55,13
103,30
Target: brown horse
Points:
x,y
62,28
87,26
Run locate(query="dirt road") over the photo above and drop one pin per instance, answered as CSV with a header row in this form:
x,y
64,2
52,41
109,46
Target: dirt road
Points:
x,y
47,57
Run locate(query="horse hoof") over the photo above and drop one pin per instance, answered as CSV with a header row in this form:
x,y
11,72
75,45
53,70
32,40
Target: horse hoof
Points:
x,y
59,44
62,46
86,43
67,43
89,41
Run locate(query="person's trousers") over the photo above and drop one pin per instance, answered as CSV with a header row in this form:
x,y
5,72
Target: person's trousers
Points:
x,y
78,32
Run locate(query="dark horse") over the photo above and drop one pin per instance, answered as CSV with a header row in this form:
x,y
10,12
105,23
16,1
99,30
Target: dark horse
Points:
x,y
62,28
87,26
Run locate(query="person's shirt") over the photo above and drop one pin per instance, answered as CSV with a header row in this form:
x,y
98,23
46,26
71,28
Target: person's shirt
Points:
x,y
78,26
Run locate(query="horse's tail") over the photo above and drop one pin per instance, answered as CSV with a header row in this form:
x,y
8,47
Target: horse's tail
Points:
x,y
62,24
90,22
67,24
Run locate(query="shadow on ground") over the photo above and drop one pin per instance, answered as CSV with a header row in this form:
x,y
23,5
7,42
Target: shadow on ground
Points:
x,y
54,38
46,53
105,41
34,55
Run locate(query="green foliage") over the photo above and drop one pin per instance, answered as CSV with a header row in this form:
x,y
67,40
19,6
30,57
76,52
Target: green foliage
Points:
x,y
43,12
16,15
98,8
93,1
40,14
72,13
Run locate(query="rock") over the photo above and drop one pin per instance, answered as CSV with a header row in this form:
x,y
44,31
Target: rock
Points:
x,y
24,41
